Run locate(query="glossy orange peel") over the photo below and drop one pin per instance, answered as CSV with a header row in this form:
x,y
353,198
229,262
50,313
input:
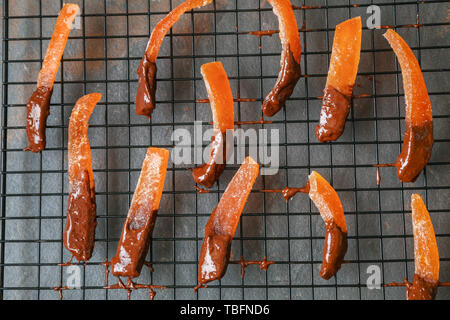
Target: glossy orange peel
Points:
x,y
79,233
288,26
146,92
418,140
222,224
38,106
290,58
330,207
341,78
138,227
222,108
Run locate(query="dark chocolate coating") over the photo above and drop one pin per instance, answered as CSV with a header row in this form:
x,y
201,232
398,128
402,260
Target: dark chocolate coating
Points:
x,y
334,112
287,79
145,96
421,289
134,244
38,109
333,251
214,256
416,151
208,173
79,235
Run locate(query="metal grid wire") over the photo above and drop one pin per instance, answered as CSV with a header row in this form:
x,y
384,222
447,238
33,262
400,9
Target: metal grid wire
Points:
x,y
102,55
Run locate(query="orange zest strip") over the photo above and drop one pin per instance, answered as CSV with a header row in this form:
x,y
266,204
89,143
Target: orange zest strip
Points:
x,y
221,226
138,227
38,106
330,207
221,98
426,255
79,233
290,58
341,79
145,97
418,140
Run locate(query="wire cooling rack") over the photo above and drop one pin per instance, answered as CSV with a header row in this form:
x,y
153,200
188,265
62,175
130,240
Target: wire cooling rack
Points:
x,y
102,55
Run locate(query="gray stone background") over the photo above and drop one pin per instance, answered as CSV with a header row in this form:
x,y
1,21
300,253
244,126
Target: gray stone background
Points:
x,y
103,55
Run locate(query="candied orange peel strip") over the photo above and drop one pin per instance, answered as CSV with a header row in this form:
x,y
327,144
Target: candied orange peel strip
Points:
x,y
418,141
220,95
345,56
426,254
222,224
288,26
221,99
341,78
145,97
330,207
166,24
290,58
38,106
138,227
81,209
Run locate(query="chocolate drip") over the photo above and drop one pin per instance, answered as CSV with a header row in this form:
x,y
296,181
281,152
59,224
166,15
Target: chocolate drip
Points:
x,y
283,88
260,121
38,109
235,100
421,289
214,256
333,251
130,286
60,290
334,112
416,151
208,173
263,264
79,234
134,243
263,33
305,7
288,192
145,96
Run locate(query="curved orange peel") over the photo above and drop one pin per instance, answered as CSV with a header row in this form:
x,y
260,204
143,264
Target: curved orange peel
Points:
x,y
79,233
418,141
138,227
330,207
290,58
222,224
145,97
38,106
221,99
341,78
